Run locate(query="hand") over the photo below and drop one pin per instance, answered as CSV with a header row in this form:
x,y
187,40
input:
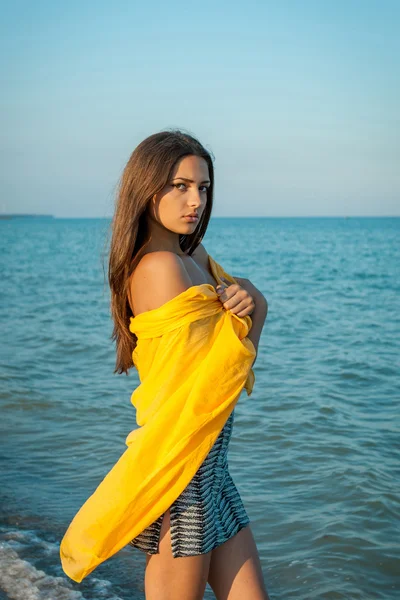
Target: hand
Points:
x,y
258,297
235,298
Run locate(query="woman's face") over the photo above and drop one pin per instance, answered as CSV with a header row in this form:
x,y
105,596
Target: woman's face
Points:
x,y
185,193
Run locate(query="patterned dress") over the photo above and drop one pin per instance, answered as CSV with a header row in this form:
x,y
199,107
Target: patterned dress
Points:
x,y
207,513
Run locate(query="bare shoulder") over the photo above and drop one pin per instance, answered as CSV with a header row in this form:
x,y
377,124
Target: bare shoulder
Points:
x,y
158,277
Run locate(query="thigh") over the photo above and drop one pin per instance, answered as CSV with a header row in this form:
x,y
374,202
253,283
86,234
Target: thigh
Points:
x,y
235,569
169,578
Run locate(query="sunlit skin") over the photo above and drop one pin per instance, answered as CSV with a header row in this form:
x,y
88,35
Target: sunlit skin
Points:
x,y
165,222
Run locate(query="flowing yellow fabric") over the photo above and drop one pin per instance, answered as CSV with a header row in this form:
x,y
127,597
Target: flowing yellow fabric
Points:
x,y
193,359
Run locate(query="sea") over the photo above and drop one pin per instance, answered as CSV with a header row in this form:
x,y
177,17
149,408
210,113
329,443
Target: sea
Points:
x,y
314,451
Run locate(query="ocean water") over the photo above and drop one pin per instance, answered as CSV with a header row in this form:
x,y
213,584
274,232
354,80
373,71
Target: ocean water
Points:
x,y
315,449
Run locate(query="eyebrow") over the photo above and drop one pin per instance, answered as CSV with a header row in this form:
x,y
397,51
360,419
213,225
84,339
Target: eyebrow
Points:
x,y
191,180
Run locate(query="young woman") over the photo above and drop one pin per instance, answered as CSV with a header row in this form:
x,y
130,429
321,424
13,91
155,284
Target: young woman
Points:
x,y
163,209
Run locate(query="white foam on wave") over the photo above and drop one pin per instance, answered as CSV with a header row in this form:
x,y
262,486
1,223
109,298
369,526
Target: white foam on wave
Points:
x,y
21,580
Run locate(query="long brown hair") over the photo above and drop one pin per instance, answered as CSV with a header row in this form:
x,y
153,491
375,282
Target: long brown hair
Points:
x,y
147,171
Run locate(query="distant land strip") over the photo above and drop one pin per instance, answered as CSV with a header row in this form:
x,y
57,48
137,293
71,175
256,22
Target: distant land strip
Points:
x,y
24,216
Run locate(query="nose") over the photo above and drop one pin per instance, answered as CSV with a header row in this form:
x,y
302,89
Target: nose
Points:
x,y
196,199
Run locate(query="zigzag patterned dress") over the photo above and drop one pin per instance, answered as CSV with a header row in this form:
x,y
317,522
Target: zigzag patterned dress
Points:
x,y
207,513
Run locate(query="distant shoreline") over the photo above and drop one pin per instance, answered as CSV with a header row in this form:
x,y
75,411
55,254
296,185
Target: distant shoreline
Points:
x,y
24,216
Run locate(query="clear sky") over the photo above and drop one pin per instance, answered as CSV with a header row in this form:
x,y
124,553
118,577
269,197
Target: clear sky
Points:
x,y
298,100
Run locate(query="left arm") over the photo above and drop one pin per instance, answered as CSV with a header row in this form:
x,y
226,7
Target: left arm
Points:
x,y
259,314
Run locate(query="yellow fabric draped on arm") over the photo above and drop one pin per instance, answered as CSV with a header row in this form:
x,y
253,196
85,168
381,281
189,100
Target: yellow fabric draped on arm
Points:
x,y
193,359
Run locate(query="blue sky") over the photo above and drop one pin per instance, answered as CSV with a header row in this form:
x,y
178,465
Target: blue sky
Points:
x,y
297,100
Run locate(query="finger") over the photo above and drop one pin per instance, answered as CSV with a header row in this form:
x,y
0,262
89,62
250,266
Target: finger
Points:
x,y
233,291
247,311
239,307
220,289
225,293
238,301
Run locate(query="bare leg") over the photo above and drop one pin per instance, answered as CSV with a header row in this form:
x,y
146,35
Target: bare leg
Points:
x,y
235,569
169,578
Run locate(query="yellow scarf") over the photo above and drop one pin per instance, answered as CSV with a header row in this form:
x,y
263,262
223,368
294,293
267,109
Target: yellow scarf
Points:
x,y
193,360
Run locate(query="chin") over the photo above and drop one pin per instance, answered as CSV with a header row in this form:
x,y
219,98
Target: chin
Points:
x,y
190,227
